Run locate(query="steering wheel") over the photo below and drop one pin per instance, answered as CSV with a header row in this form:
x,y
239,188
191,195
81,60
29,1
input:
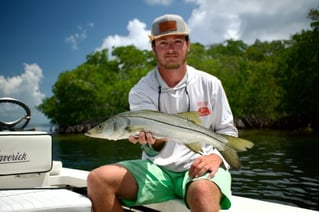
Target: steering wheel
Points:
x,y
9,125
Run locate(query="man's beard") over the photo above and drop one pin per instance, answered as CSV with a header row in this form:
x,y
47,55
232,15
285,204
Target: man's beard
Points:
x,y
173,65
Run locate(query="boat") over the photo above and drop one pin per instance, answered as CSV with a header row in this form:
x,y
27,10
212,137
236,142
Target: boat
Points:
x,y
31,181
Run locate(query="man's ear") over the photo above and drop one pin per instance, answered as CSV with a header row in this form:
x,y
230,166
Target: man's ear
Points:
x,y
188,47
153,50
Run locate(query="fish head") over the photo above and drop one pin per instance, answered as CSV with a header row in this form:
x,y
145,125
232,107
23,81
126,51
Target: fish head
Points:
x,y
111,129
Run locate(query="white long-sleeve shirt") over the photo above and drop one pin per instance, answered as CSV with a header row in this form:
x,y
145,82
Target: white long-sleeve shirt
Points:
x,y
197,91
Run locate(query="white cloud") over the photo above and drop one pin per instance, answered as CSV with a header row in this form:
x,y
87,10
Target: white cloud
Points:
x,y
137,35
24,87
72,39
78,36
214,21
91,24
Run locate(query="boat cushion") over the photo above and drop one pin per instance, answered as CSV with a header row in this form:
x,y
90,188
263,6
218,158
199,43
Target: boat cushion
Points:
x,y
25,152
48,200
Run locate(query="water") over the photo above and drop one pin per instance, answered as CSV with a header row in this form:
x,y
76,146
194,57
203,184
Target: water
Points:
x,y
282,167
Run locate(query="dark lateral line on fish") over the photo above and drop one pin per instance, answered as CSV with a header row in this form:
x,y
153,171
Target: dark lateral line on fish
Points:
x,y
156,120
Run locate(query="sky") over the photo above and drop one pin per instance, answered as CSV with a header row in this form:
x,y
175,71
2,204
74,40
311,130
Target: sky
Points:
x,y
39,39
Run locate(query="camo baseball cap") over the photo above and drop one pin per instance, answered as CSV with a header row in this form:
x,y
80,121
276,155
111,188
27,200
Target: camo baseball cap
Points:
x,y
168,25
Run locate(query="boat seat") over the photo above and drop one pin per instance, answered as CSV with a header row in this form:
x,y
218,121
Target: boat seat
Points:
x,y
25,159
46,200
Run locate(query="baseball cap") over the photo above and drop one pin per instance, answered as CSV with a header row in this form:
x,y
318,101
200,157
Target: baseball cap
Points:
x,y
168,25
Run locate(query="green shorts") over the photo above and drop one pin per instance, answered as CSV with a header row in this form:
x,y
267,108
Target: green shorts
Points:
x,y
157,184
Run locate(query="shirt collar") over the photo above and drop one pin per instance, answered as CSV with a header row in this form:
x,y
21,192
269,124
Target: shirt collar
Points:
x,y
160,82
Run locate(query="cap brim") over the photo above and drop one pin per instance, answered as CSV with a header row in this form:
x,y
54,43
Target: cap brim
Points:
x,y
152,37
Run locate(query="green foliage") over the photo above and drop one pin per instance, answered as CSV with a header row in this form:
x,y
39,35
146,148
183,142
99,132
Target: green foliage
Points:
x,y
300,78
265,80
98,88
314,16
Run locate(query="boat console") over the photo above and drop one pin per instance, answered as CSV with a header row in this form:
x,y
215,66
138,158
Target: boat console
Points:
x,y
29,179
25,159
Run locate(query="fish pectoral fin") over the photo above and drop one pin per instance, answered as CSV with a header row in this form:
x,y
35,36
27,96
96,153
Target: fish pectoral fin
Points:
x,y
195,147
133,130
191,116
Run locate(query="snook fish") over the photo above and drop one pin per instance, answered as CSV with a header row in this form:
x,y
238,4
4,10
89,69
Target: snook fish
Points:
x,y
183,128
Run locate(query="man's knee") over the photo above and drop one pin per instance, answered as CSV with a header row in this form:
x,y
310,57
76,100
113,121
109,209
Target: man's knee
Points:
x,y
99,178
110,177
203,194
200,186
92,178
93,182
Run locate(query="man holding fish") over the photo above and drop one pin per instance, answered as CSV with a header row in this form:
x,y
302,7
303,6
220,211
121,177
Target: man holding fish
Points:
x,y
174,164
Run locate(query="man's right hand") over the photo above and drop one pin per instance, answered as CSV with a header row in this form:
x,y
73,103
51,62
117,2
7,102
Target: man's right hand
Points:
x,y
142,138
147,138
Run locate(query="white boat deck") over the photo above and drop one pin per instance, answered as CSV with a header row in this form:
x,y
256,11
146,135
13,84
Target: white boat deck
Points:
x,y
239,204
58,198
55,200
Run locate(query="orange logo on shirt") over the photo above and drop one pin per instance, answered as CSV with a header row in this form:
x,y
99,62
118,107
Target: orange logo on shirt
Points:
x,y
203,109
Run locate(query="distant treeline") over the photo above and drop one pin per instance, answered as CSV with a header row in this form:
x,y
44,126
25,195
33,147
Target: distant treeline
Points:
x,y
268,84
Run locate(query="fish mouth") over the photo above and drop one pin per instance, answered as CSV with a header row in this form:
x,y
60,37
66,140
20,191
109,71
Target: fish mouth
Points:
x,y
91,135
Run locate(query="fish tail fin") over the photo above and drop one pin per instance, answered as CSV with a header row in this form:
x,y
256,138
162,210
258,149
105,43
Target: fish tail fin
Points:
x,y
239,144
231,157
233,146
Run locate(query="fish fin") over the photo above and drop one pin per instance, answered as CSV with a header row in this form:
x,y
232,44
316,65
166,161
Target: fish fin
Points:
x,y
231,157
191,116
195,147
239,144
233,146
133,130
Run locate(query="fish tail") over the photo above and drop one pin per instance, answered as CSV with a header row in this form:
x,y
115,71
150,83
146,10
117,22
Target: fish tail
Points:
x,y
239,144
233,146
231,157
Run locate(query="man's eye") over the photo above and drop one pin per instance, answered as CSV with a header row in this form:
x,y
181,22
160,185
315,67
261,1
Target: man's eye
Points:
x,y
163,43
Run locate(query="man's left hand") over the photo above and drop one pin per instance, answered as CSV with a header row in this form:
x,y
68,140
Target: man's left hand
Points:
x,y
207,163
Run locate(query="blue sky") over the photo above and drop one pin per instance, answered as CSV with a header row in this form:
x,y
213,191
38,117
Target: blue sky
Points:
x,y
39,39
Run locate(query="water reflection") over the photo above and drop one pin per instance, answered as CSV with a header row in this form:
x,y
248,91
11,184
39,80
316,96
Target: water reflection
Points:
x,y
282,167
86,153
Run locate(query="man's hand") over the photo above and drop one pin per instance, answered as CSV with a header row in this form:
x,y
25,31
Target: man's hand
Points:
x,y
142,138
208,163
147,138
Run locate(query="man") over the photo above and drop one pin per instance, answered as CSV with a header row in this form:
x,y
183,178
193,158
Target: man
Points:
x,y
170,170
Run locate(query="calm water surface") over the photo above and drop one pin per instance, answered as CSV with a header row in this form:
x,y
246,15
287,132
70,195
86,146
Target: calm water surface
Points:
x,y
282,167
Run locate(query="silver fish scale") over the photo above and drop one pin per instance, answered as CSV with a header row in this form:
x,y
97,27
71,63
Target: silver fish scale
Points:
x,y
174,127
